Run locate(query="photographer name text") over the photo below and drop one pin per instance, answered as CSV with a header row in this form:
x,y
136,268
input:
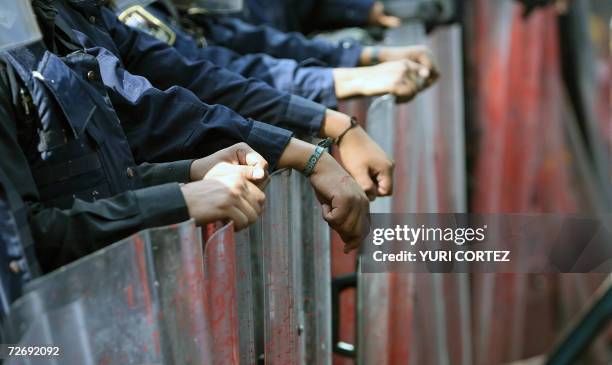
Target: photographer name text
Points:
x,y
427,236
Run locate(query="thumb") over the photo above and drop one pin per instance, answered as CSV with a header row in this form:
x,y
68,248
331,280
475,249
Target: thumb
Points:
x,y
253,158
416,71
367,184
330,214
247,156
252,173
389,21
335,213
384,181
428,70
326,210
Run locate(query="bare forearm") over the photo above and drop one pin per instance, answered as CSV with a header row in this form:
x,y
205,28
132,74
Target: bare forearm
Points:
x,y
334,125
369,81
296,155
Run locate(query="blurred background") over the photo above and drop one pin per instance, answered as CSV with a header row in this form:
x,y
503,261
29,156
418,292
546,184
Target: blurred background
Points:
x,y
520,122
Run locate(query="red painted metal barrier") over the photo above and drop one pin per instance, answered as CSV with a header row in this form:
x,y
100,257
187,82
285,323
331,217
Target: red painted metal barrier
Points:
x,y
426,140
137,301
529,158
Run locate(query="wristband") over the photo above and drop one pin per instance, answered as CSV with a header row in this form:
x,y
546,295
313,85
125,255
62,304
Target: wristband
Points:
x,y
374,55
316,156
353,125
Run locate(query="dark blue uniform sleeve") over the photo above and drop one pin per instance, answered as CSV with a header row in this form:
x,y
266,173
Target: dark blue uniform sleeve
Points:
x,y
245,38
165,68
173,124
309,81
313,83
162,173
307,16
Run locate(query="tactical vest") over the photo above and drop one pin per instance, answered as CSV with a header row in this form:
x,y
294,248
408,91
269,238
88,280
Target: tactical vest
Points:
x,y
88,157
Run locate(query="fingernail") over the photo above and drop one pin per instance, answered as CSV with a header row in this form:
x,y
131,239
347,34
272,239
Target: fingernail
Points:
x,y
258,173
424,73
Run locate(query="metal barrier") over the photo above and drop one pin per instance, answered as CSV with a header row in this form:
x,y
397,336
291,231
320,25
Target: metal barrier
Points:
x,y
532,159
160,297
291,247
427,140
137,301
523,127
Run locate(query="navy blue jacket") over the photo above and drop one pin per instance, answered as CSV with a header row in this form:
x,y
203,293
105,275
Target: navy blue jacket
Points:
x,y
307,16
246,38
66,156
166,78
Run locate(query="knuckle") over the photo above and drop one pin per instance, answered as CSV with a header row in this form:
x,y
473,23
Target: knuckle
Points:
x,y
235,192
226,204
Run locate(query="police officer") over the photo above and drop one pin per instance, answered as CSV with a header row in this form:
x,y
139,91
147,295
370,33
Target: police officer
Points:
x,y
124,53
75,170
324,85
307,16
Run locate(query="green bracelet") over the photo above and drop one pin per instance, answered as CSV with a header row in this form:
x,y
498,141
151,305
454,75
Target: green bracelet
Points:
x,y
316,156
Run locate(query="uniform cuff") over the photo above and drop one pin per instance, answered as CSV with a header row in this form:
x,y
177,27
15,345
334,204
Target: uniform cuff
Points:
x,y
269,141
328,89
307,114
179,171
162,205
349,53
162,173
317,84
